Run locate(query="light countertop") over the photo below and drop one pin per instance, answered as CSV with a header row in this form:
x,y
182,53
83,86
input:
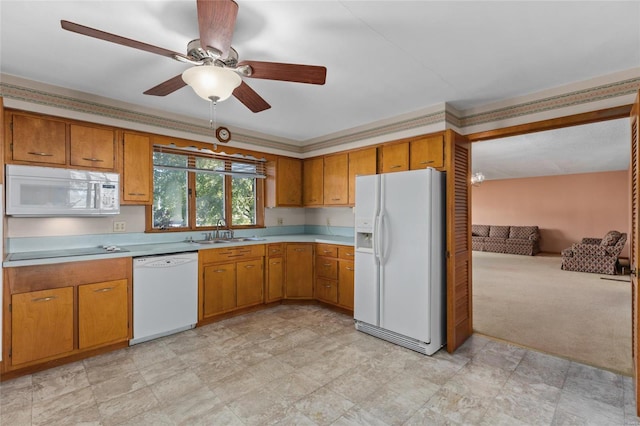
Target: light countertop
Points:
x,y
137,250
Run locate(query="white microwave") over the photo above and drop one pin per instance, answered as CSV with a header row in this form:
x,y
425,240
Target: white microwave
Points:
x,y
48,192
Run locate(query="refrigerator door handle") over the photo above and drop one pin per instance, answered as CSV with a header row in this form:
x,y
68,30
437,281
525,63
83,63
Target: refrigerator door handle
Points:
x,y
381,237
376,241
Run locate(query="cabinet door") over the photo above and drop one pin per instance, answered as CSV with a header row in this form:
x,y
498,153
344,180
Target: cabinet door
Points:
x,y
219,288
363,162
275,281
249,282
345,283
395,158
137,169
39,140
102,313
92,147
336,179
427,152
41,324
312,181
288,182
326,290
299,271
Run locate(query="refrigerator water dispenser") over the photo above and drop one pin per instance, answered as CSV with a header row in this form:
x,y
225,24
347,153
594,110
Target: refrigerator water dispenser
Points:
x,y
364,240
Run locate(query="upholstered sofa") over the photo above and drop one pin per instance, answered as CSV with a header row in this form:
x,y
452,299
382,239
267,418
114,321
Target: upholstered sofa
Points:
x,y
596,255
506,239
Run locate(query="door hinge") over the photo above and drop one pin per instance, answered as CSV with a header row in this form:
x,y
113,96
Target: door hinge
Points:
x,y
10,352
448,254
10,307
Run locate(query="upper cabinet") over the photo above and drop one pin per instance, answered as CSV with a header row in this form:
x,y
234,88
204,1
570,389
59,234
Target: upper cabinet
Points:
x,y
362,162
36,139
313,181
336,180
92,147
50,141
137,169
395,157
284,183
427,152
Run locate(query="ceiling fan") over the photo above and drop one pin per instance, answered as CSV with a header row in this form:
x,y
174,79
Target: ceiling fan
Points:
x,y
216,73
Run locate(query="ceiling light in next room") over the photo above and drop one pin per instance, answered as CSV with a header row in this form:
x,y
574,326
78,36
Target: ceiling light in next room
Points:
x,y
211,82
477,178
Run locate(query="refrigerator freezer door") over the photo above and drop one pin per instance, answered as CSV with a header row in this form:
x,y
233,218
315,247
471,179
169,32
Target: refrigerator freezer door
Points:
x,y
405,240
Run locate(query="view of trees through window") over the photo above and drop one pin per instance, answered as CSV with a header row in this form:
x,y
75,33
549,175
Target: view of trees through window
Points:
x,y
229,197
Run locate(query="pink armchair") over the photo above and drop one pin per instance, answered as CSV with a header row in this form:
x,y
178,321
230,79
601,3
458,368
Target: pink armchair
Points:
x,y
597,255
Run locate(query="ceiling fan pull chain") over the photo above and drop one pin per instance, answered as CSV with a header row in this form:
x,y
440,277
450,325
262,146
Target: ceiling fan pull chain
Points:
x,y
212,121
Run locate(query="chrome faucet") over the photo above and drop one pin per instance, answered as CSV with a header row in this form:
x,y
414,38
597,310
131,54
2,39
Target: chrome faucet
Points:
x,y
218,227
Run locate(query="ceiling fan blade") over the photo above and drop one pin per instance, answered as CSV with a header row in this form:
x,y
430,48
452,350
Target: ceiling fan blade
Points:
x,y
216,22
310,74
167,87
250,98
92,32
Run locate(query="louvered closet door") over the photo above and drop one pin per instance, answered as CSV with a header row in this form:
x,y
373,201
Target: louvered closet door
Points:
x,y
459,309
634,257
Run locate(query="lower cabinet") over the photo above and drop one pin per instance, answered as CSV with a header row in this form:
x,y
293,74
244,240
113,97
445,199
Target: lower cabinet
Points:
x,y
275,273
58,311
299,271
231,278
334,275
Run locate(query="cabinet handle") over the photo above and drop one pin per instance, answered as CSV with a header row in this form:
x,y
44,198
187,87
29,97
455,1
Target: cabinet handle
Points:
x,y
275,263
236,255
348,268
300,250
326,264
327,251
40,154
336,199
136,193
348,254
426,162
397,166
327,286
95,160
103,290
249,266
44,299
220,270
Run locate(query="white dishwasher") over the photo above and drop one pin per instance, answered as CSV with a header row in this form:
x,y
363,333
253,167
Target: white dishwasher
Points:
x,y
165,295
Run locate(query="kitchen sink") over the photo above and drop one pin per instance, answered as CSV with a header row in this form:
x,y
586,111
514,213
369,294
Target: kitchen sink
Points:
x,y
247,239
211,241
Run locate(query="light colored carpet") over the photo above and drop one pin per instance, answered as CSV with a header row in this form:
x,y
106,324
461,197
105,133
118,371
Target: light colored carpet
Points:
x,y
530,301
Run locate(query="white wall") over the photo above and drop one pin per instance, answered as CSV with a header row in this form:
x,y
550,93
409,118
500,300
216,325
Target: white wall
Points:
x,y
337,216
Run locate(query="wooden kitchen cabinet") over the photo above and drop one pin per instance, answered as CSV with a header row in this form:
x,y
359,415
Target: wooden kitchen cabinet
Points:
x,y
313,181
395,157
275,272
250,282
102,313
284,183
41,325
361,162
231,278
336,180
334,275
427,152
37,139
137,169
299,271
58,313
93,147
219,289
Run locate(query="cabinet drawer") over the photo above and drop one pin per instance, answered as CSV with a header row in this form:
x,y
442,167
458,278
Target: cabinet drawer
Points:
x,y
328,250
346,252
326,290
327,268
275,249
231,253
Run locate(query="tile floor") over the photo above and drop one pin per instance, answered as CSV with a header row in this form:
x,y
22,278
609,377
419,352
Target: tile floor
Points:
x,y
306,365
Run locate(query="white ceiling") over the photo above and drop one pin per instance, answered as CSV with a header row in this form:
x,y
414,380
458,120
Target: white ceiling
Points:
x,y
384,59
590,148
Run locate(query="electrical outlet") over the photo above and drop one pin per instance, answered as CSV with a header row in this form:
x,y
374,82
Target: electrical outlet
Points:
x,y
328,222
119,226
280,221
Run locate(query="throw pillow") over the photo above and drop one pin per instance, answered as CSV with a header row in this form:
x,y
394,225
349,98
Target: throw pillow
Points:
x,y
611,238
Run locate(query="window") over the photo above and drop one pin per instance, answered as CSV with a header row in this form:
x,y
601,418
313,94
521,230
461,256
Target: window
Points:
x,y
197,190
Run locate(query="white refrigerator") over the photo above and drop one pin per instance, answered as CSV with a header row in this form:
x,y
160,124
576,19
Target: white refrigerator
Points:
x,y
400,258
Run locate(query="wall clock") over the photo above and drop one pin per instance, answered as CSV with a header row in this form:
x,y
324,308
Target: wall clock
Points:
x,y
223,134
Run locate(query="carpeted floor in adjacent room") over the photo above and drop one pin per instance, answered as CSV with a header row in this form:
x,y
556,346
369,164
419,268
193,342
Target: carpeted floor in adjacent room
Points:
x,y
530,301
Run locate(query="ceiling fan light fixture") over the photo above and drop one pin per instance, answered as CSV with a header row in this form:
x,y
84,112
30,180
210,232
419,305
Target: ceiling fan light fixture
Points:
x,y
212,83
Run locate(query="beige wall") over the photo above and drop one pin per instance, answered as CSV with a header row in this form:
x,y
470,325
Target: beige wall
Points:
x,y
566,208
